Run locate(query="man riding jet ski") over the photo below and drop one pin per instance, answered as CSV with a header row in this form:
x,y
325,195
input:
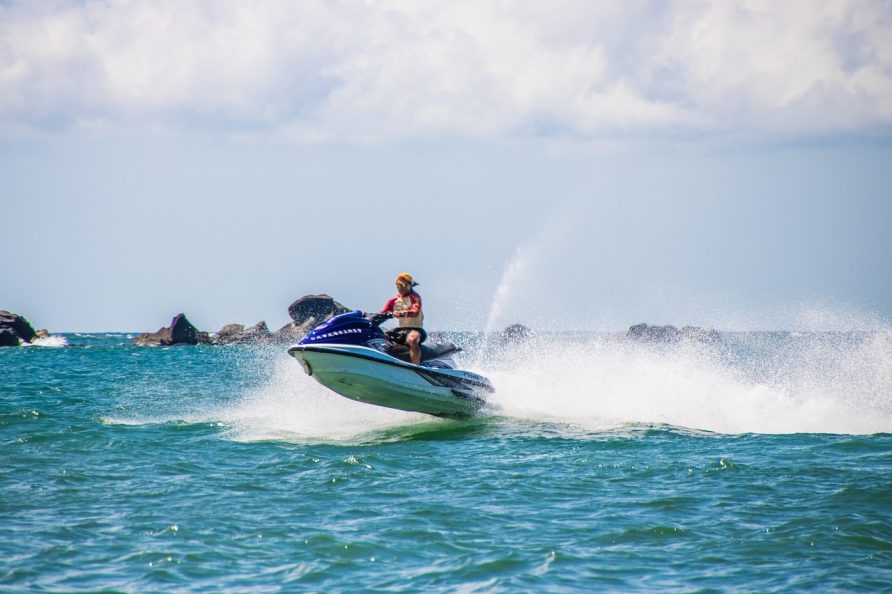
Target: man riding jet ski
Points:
x,y
351,355
406,306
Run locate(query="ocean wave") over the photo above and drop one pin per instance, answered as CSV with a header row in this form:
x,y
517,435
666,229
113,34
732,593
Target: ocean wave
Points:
x,y
48,342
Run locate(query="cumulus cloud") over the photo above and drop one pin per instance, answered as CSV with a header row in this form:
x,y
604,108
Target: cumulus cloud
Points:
x,y
370,72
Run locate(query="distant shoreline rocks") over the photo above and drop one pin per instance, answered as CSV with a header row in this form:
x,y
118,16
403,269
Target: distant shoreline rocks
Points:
x,y
180,331
306,313
237,334
515,334
672,335
16,330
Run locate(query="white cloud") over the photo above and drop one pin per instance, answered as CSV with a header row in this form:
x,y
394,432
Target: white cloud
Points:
x,y
353,71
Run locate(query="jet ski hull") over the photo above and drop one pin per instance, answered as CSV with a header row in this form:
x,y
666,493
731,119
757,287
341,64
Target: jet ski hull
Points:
x,y
367,375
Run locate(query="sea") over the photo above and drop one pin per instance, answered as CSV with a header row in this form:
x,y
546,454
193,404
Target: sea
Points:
x,y
759,463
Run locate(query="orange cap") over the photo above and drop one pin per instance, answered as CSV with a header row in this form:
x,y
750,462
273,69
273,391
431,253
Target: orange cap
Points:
x,y
405,277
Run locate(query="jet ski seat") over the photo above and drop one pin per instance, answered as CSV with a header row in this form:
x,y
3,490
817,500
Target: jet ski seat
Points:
x,y
437,350
428,352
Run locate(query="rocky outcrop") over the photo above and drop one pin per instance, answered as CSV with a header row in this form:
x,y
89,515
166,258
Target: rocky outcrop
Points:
x,y
515,334
289,333
15,329
693,333
314,308
258,333
229,334
180,331
673,335
308,312
237,334
8,337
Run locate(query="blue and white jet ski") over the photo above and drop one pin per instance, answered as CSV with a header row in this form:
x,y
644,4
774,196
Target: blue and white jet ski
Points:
x,y
351,355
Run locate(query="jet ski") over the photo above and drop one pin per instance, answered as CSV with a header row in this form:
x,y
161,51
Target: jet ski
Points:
x,y
351,355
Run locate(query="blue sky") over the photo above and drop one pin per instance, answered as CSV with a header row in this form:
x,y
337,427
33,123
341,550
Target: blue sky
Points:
x,y
559,164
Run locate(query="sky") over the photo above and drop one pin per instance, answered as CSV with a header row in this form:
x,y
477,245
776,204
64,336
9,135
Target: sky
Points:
x,y
565,164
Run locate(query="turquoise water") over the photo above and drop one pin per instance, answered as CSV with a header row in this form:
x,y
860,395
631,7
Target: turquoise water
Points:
x,y
761,465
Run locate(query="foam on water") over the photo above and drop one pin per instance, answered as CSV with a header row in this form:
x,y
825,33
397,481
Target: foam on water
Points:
x,y
813,383
47,341
819,384
760,383
291,406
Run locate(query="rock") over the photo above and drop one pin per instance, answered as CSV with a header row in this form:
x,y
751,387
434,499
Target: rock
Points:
x,y
671,334
8,337
18,326
237,334
180,331
161,337
229,333
288,333
308,312
647,333
695,334
258,333
314,309
292,331
43,333
515,334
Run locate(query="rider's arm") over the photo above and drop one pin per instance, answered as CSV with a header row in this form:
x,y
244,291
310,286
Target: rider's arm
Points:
x,y
388,307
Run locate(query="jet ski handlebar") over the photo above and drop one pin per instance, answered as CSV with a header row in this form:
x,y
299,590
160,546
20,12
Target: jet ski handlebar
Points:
x,y
377,318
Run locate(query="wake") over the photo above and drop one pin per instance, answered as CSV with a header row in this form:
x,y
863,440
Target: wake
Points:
x,y
751,383
816,384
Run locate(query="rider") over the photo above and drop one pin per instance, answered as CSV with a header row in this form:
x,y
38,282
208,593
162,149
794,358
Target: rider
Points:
x,y
406,307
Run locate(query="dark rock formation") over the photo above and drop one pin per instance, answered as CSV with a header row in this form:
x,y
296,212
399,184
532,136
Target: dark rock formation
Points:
x,y
180,331
15,328
647,333
693,333
237,334
258,333
289,333
515,334
8,337
308,312
314,308
229,334
671,334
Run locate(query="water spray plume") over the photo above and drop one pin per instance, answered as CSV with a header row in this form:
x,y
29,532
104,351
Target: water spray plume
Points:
x,y
812,383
